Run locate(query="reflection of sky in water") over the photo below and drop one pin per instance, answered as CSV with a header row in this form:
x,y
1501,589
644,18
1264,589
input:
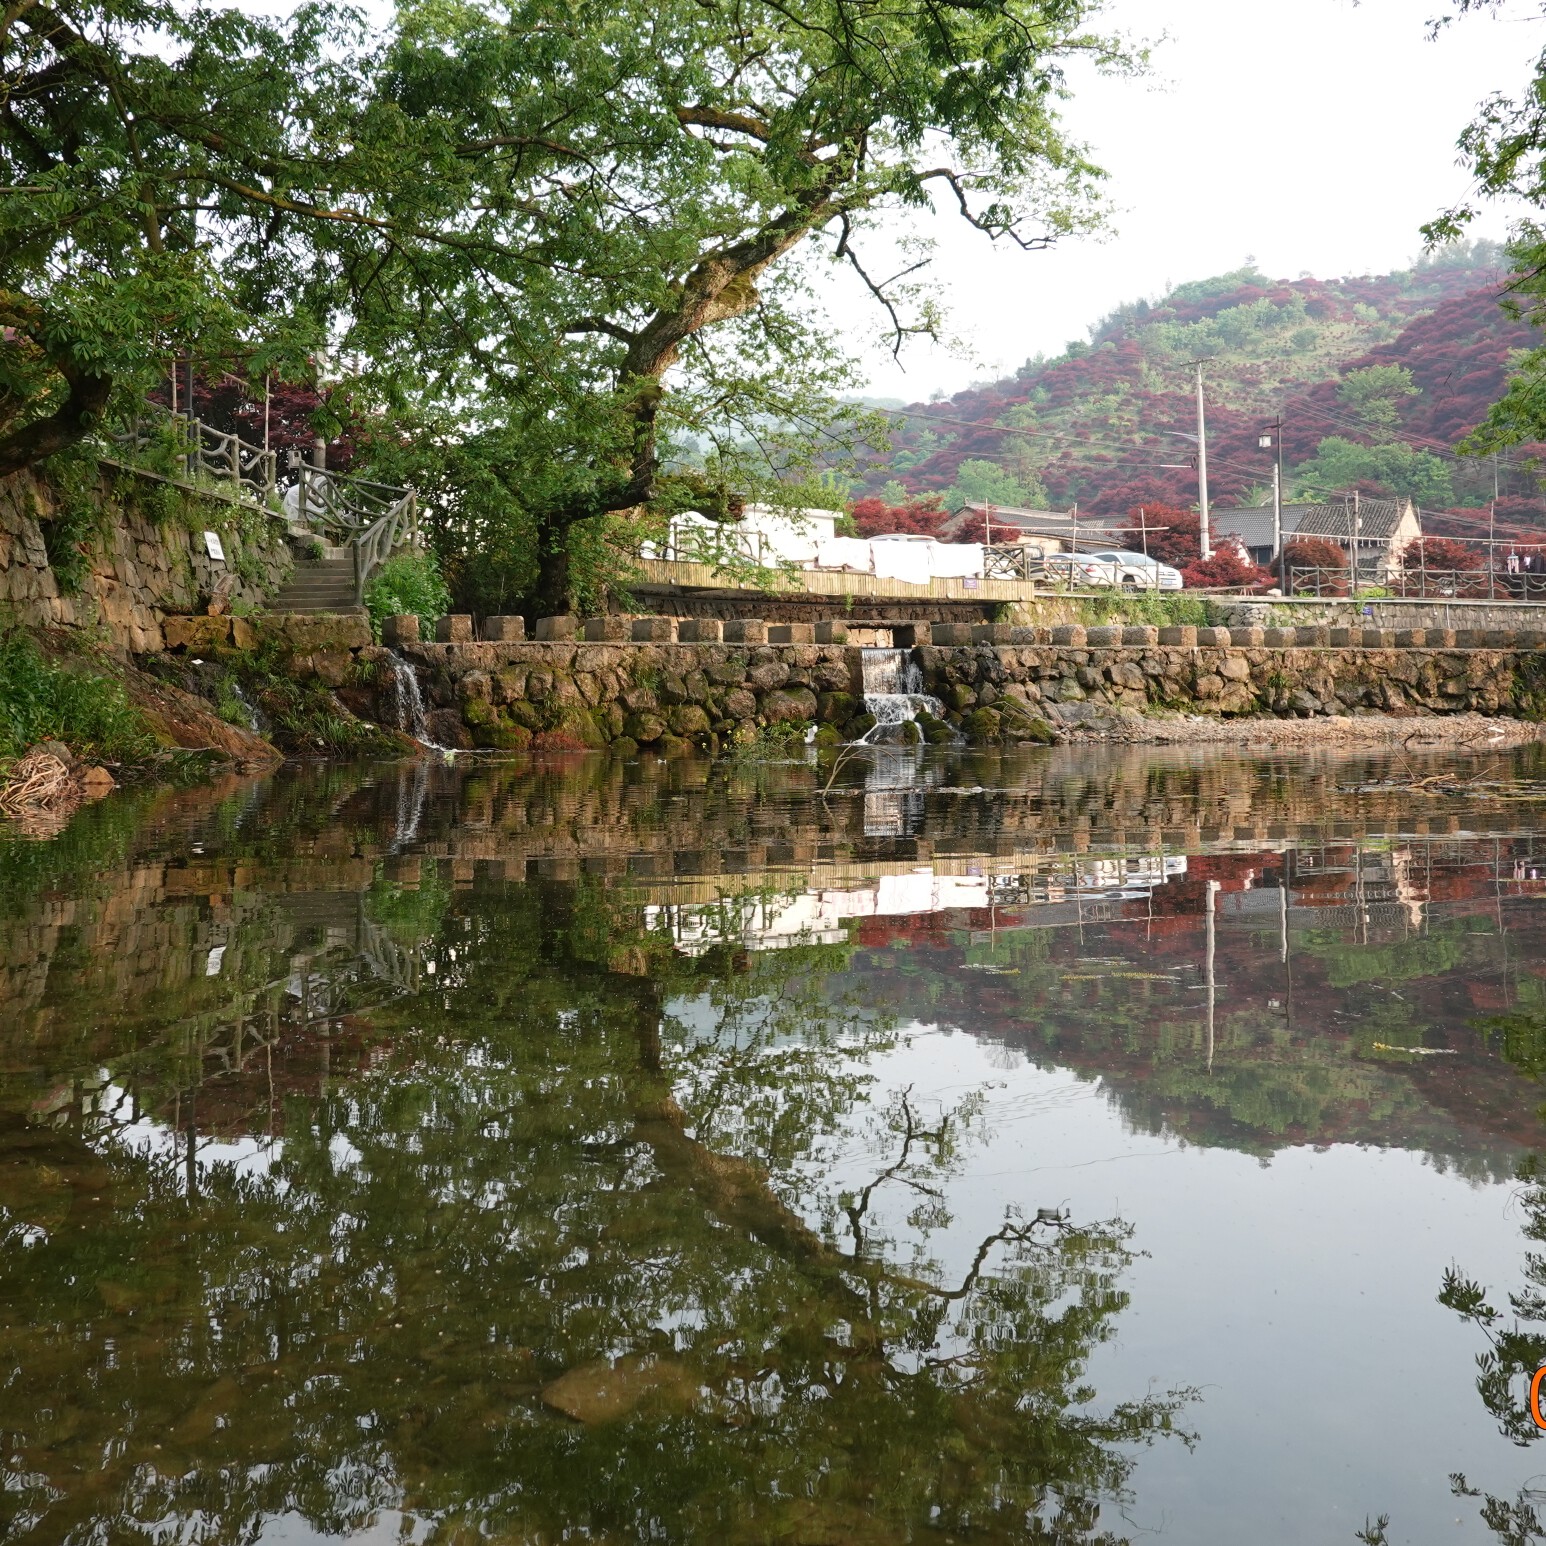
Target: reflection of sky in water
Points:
x,y
1298,1295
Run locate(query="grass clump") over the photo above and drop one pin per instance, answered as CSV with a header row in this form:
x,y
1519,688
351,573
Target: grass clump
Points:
x,y
407,582
44,700
1162,610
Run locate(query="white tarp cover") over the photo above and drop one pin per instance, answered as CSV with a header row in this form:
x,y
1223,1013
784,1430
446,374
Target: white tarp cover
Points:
x,y
845,553
906,561
955,560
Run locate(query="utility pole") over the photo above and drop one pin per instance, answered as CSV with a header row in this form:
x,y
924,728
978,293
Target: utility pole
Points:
x,y
1357,540
1274,437
1205,546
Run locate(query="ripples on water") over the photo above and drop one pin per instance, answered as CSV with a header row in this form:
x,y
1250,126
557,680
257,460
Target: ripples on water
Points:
x,y
1059,1147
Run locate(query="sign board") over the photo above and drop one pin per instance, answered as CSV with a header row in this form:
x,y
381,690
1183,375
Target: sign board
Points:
x,y
212,546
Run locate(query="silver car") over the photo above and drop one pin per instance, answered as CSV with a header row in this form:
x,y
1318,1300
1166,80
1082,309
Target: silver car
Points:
x,y
1133,571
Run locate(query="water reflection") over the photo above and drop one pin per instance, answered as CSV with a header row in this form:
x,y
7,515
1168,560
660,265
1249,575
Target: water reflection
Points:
x,y
584,1152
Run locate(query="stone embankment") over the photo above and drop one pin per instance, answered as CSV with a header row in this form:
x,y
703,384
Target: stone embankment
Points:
x,y
134,572
710,686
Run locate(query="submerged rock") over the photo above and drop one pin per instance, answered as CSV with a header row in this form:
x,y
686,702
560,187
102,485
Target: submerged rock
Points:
x,y
604,1392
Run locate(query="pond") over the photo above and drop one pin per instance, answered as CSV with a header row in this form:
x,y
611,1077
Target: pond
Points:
x,y
1069,1145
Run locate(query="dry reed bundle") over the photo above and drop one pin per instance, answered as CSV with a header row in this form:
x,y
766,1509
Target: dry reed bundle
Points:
x,y
39,783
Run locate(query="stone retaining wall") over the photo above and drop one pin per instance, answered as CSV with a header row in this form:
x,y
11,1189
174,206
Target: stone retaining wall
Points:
x,y
990,690
674,696
139,572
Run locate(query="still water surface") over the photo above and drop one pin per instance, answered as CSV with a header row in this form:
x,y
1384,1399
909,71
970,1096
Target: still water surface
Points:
x,y
1068,1146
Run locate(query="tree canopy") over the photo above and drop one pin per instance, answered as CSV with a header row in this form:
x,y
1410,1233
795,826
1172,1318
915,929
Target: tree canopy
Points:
x,y
561,251
169,178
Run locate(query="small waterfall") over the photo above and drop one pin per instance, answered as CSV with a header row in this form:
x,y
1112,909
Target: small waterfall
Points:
x,y
407,700
255,721
893,692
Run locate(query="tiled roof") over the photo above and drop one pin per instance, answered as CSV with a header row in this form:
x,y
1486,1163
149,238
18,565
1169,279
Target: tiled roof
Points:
x,y
1377,520
1253,525
1374,518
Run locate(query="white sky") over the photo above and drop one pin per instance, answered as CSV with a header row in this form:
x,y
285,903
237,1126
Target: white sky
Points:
x,y
1316,136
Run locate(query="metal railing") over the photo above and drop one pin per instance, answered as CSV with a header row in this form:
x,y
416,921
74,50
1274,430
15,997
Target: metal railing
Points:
x,y
1420,584
371,519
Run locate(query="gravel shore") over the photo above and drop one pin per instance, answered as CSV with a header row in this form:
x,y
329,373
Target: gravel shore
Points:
x,y
1461,731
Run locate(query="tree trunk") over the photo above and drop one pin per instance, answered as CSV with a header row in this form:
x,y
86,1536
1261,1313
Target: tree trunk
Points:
x,y
69,424
553,594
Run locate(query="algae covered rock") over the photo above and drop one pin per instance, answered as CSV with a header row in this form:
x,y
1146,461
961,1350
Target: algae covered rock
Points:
x,y
983,726
794,705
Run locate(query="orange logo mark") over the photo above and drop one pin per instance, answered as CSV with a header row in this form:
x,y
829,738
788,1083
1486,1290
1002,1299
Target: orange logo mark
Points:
x,y
1535,1397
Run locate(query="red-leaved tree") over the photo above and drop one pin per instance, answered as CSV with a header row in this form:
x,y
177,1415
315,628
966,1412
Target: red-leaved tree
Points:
x,y
1168,533
1312,553
919,517
283,419
1442,566
1229,564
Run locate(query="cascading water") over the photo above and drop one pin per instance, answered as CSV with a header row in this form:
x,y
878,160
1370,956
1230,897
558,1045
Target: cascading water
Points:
x,y
893,693
407,700
255,720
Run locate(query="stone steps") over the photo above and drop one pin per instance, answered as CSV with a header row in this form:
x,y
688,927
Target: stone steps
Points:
x,y
318,585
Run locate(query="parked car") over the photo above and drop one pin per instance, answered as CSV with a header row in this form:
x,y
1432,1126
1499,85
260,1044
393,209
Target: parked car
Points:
x,y
1136,571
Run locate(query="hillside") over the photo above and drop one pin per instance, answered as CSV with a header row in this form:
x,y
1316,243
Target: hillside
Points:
x,y
1097,424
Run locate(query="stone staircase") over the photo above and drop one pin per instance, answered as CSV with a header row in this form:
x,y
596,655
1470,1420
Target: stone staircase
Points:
x,y
318,585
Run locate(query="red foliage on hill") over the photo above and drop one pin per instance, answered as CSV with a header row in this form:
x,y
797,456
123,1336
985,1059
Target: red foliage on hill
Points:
x,y
1113,414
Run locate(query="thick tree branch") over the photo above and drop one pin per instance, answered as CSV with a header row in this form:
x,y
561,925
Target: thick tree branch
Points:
x,y
71,422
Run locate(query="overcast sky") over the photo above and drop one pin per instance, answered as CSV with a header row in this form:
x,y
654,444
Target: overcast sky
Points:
x,y
1316,136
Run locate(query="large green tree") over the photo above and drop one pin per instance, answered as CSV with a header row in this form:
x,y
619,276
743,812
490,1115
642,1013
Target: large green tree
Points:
x,y
1504,147
554,246
168,185
1340,464
639,188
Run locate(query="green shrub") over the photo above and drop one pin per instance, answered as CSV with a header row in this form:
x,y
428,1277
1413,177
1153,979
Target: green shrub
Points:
x,y
79,519
407,582
1152,609
42,701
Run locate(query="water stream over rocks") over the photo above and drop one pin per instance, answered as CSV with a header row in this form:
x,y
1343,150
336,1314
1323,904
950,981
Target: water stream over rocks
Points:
x,y
407,699
893,693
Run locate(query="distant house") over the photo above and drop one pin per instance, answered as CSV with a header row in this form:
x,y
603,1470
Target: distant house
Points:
x,y
1054,531
1378,529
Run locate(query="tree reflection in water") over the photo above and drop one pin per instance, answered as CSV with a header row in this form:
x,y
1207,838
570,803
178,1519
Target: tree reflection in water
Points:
x,y
562,1256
